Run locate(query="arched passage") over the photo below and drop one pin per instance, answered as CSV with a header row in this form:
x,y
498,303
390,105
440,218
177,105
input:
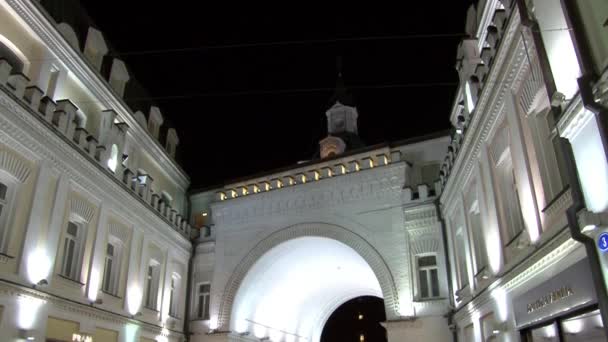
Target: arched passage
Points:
x,y
305,247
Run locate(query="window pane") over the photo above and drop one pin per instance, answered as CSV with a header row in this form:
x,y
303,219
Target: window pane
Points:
x,y
72,229
427,261
424,286
585,327
200,306
69,258
435,283
107,275
205,288
110,249
206,313
3,190
548,333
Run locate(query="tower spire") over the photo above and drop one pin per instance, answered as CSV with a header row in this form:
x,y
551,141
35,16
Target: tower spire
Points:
x,y
341,94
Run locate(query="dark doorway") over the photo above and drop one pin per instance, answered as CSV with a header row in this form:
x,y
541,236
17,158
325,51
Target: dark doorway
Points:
x,y
357,320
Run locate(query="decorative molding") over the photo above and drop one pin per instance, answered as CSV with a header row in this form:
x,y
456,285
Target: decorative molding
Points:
x,y
82,208
424,245
12,164
349,238
500,81
382,184
22,131
550,254
39,21
120,232
78,309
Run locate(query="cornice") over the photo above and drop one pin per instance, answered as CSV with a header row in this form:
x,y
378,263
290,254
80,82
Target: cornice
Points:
x,y
550,254
507,68
32,13
21,130
79,309
383,184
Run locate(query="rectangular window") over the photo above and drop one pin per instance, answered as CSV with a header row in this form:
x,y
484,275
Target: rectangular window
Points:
x,y
461,260
72,245
204,291
112,269
427,274
173,296
151,287
509,197
479,244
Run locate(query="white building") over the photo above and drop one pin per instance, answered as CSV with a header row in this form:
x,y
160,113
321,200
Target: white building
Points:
x,y
495,241
93,243
283,250
522,231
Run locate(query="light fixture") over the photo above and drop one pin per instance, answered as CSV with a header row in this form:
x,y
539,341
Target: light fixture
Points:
x,y
27,335
204,213
41,283
360,317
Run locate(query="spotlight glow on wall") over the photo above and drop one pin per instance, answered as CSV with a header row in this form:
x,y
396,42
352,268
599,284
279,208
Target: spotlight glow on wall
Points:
x,y
38,266
94,284
134,297
27,311
502,304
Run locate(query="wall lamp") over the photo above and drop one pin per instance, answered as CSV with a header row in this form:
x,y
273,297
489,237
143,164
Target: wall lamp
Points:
x,y
41,283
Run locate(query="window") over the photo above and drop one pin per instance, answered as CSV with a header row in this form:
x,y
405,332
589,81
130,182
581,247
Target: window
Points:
x,y
427,275
204,291
461,260
173,296
111,272
72,251
152,286
469,333
509,198
487,328
5,205
479,245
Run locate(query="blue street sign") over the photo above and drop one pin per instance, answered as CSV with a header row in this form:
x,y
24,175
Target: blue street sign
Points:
x,y
602,242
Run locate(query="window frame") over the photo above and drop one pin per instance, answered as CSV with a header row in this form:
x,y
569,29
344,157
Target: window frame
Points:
x,y
152,285
79,241
203,300
6,211
429,279
174,298
113,279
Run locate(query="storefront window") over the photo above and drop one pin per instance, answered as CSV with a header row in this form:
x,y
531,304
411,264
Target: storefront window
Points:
x,y
586,327
547,333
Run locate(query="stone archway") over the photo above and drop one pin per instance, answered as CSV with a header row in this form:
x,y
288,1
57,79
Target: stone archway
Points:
x,y
312,229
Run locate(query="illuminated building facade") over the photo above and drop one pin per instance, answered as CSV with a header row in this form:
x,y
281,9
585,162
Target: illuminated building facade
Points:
x,y
280,252
94,244
498,240
525,180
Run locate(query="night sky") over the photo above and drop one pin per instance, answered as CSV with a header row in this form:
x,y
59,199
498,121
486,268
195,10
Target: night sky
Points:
x,y
247,87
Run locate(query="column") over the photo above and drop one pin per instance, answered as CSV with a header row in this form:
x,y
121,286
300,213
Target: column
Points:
x,y
33,230
96,268
134,287
57,221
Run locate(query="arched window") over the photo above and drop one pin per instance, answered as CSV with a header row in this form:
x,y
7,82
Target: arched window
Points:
x,y
113,160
